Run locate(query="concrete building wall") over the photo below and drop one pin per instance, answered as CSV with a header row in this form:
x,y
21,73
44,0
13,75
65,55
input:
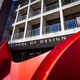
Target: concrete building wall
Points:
x,y
5,6
46,13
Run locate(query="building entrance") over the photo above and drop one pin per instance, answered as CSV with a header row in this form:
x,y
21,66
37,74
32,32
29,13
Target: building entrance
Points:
x,y
22,55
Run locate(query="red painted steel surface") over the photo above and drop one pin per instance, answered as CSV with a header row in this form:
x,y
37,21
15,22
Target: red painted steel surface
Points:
x,y
5,59
68,65
51,59
61,63
24,70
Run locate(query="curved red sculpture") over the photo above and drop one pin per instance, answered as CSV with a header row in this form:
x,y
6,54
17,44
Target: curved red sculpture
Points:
x,y
61,63
5,59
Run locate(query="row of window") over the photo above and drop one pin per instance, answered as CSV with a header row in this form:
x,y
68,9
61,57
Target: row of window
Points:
x,y
33,12
64,2
49,6
22,55
70,24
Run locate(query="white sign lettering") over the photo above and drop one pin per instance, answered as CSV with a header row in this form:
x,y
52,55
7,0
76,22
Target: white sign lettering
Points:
x,y
49,40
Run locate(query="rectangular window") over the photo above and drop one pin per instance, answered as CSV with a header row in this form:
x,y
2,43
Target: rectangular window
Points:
x,y
21,30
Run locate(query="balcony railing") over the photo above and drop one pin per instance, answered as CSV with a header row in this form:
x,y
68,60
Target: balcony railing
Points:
x,y
73,23
65,2
25,3
9,23
34,32
37,12
21,18
52,28
33,0
18,36
51,7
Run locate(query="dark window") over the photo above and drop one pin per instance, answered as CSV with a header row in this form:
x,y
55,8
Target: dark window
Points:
x,y
10,32
21,30
25,14
35,26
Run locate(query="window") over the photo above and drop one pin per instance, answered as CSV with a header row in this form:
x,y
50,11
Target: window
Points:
x,y
21,30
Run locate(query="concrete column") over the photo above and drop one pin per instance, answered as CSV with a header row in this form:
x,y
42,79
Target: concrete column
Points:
x,y
61,16
41,20
26,24
15,23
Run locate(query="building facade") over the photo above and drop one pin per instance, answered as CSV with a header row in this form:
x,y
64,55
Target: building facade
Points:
x,y
36,26
1,1
5,6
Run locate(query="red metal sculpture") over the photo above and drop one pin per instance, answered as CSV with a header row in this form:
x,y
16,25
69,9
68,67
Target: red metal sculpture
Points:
x,y
61,63
5,59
